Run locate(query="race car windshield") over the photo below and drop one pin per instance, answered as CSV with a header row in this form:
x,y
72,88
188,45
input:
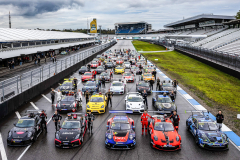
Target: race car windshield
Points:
x,y
94,63
127,63
90,84
164,100
109,63
83,67
67,98
160,126
70,125
148,75
134,99
117,84
167,85
143,84
25,123
100,67
119,67
127,74
120,126
66,84
88,74
96,99
104,74
207,126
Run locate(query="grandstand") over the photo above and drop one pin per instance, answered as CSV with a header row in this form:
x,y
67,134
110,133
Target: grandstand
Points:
x,y
132,27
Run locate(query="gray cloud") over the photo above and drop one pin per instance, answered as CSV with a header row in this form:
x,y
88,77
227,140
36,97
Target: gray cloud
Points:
x,y
35,7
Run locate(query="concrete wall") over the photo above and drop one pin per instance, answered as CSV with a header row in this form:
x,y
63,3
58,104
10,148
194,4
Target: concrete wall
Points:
x,y
17,101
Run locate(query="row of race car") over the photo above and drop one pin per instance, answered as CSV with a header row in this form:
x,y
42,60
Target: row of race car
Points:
x,y
120,132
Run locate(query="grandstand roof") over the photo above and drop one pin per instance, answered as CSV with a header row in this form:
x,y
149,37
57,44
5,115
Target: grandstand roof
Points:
x,y
130,23
236,21
17,35
197,19
27,51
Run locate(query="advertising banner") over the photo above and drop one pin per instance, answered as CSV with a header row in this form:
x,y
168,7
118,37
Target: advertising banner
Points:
x,y
93,26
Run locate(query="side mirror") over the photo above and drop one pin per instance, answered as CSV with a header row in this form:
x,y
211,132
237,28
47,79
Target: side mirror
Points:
x,y
193,125
107,126
14,124
173,101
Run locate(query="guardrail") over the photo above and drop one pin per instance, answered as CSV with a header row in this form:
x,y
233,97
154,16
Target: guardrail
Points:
x,y
20,83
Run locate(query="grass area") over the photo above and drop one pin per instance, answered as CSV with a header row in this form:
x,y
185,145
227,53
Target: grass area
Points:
x,y
144,46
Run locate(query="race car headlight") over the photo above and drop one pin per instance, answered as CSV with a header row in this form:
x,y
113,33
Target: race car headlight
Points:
x,y
57,136
128,106
224,137
122,88
102,106
142,106
204,137
77,136
131,137
88,106
9,134
71,105
109,136
155,138
177,138
29,134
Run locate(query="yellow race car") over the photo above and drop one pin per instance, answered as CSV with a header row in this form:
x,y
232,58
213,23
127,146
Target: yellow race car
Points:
x,y
97,104
119,69
147,77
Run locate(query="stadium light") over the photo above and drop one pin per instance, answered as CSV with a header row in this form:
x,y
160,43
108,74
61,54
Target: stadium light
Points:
x,y
100,26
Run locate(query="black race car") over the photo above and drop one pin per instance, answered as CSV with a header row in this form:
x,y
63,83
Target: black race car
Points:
x,y
68,103
169,87
66,87
163,103
26,130
106,76
100,69
83,69
72,131
109,65
142,85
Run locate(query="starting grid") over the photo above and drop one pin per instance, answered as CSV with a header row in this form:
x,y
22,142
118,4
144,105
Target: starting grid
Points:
x,y
234,138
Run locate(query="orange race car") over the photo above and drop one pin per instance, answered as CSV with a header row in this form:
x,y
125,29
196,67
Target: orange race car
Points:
x,y
163,134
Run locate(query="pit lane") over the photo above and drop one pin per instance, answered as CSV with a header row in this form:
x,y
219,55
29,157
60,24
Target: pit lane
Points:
x,y
94,147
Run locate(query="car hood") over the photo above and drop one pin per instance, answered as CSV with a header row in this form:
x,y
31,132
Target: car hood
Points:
x,y
65,87
143,88
82,70
66,103
68,134
171,135
135,104
213,136
85,76
168,88
87,87
120,136
20,132
117,87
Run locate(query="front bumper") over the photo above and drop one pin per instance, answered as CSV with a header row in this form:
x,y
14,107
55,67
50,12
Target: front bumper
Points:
x,y
110,144
213,147
66,109
67,144
19,142
96,111
117,92
136,110
164,147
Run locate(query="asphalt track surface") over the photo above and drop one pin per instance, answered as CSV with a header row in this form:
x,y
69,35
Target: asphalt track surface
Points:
x,y
94,147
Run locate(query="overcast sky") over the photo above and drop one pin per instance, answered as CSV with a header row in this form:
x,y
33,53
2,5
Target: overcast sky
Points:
x,y
60,14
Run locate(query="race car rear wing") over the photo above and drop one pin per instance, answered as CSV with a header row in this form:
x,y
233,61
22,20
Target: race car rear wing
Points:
x,y
120,111
198,111
160,92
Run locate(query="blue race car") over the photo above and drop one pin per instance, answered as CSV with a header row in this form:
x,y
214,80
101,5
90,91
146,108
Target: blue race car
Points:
x,y
120,132
91,86
206,132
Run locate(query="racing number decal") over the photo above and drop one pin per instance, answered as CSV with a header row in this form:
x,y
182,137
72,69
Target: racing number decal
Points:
x,y
20,121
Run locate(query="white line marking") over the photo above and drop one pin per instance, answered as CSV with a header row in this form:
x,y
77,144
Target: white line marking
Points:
x,y
49,120
18,115
79,82
34,106
47,98
2,149
24,152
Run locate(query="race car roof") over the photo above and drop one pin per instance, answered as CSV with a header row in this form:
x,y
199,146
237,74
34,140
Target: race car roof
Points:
x,y
120,119
161,96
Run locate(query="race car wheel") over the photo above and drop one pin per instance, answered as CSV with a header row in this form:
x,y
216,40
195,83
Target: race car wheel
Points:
x,y
197,140
151,143
34,138
81,139
187,126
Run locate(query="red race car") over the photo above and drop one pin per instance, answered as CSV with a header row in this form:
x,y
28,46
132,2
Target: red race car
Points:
x,y
94,65
97,60
128,76
119,61
87,76
163,134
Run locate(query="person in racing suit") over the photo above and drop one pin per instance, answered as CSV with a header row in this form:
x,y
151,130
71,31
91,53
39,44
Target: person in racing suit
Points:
x,y
154,73
172,96
176,120
75,82
144,121
43,117
151,83
175,83
87,96
144,95
56,118
158,84
90,118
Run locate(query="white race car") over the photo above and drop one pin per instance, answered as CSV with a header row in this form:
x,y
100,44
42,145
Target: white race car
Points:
x,y
134,102
126,64
117,87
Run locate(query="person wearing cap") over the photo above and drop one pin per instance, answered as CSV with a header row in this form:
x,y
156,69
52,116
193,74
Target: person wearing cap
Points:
x,y
43,117
175,83
176,119
158,84
144,121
